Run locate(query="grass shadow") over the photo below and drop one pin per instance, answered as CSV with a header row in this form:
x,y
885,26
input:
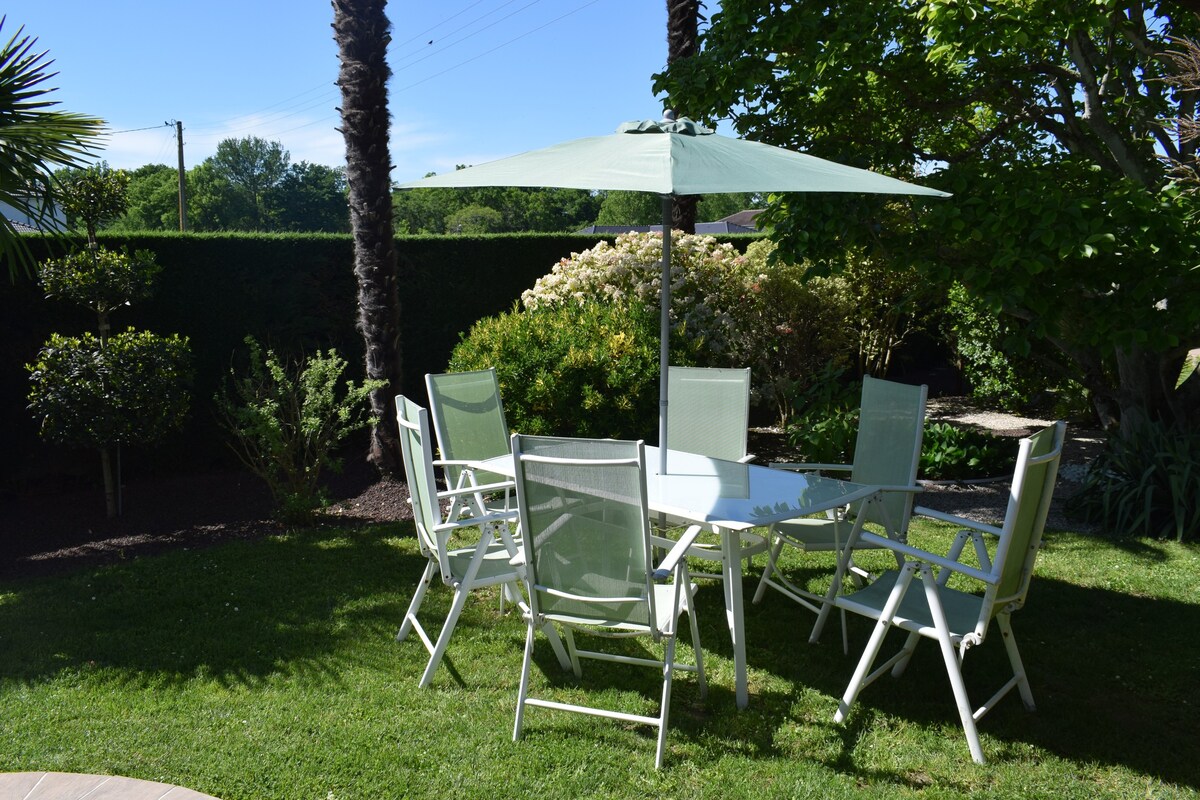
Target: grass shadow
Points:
x,y
236,612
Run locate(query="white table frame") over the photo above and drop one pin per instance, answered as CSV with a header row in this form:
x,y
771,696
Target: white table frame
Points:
x,y
731,497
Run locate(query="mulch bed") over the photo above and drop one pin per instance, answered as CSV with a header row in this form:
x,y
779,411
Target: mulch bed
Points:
x,y
55,530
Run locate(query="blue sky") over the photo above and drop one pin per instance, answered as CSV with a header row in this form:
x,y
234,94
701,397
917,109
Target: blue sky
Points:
x,y
474,80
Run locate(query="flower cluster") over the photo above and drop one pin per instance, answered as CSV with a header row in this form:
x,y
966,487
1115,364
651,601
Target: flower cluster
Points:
x,y
708,282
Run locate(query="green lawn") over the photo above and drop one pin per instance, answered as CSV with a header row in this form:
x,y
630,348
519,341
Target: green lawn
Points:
x,y
268,669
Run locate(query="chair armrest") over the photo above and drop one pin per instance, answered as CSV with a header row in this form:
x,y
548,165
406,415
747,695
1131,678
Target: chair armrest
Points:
x,y
677,552
471,522
456,462
746,459
902,488
800,467
956,520
484,488
928,557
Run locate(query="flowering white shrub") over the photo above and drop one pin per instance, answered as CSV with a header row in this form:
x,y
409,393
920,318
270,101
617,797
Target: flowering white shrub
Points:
x,y
709,281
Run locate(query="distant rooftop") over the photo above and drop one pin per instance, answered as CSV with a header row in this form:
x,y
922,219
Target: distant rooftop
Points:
x,y
741,222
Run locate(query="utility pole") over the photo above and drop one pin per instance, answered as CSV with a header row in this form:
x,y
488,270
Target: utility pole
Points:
x,y
182,181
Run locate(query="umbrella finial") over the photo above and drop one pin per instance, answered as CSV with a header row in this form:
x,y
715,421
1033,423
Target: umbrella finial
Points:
x,y
669,115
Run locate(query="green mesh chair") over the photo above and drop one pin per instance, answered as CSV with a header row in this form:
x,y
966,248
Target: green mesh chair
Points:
x,y
587,556
483,562
709,414
887,452
709,411
468,419
917,599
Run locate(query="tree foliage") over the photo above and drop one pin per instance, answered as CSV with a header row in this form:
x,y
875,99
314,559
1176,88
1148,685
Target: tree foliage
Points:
x,y
35,139
1048,119
436,211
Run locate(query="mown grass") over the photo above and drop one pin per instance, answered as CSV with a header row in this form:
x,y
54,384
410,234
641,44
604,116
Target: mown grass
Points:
x,y
268,669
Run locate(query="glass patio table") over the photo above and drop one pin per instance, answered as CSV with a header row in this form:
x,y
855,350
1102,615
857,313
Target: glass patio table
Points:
x,y
731,497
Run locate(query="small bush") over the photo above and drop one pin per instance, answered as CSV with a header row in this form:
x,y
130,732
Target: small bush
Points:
x,y
1145,484
824,422
950,452
825,425
1003,366
286,419
132,389
575,370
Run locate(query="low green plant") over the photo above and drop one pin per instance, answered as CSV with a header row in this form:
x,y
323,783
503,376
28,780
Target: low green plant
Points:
x,y
1145,483
824,422
287,418
577,370
951,452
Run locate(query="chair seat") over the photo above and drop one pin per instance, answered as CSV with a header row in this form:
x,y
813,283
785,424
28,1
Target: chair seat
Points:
x,y
495,566
962,608
818,534
664,606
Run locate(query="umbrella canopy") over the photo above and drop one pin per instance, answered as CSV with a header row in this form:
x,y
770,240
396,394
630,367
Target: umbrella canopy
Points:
x,y
671,158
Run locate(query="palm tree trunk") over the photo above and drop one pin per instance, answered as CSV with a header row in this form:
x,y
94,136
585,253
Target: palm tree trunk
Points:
x,y
362,33
683,30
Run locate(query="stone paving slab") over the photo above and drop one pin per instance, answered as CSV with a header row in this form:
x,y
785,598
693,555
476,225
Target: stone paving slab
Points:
x,y
73,786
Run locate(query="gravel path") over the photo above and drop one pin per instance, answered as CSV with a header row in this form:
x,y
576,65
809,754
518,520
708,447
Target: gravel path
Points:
x,y
986,502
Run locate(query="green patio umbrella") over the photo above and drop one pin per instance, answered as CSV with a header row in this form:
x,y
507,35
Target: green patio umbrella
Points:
x,y
671,158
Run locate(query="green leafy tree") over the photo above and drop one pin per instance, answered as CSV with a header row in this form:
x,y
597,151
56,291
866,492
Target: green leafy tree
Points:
x,y
310,197
92,196
112,390
1046,119
474,219
214,203
152,200
522,209
34,139
254,167
630,208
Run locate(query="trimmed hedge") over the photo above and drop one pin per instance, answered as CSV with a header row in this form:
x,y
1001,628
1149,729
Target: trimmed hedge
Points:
x,y
294,292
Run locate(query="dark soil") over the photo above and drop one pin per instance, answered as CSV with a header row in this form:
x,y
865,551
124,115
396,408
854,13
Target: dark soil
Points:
x,y
51,531
56,530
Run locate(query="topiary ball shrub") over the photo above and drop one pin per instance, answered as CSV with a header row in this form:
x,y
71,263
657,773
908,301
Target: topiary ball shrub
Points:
x,y
575,370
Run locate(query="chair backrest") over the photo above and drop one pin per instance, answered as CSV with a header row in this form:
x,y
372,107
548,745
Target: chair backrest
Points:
x,y
416,451
887,450
708,411
1028,505
468,418
584,523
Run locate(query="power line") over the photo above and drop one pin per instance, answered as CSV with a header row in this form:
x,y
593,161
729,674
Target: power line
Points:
x,y
232,126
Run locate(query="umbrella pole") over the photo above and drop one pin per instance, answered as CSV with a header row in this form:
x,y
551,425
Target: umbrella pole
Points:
x,y
664,353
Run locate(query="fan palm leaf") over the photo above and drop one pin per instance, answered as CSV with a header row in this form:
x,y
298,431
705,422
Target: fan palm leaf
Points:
x,y
34,140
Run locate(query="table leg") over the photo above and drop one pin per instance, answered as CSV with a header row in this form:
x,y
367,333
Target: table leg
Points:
x,y
731,546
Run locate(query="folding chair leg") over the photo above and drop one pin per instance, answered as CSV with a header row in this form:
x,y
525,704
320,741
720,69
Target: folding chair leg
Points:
x,y
1004,622
443,640
523,688
858,680
953,666
665,709
573,652
701,681
769,569
906,652
410,616
556,645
